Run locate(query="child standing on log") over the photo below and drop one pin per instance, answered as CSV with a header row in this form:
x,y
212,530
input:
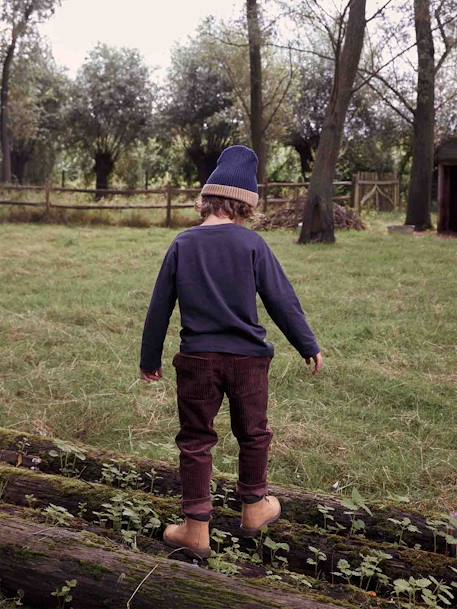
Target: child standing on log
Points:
x,y
215,270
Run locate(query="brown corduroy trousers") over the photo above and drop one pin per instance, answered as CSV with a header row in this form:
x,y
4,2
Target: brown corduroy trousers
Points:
x,y
202,381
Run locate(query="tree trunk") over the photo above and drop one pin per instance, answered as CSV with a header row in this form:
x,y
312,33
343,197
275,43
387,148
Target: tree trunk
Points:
x,y
104,165
420,189
298,506
255,67
205,162
318,224
305,149
40,559
4,115
19,160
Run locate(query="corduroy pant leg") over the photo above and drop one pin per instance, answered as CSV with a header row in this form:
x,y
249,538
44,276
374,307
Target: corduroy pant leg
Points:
x,y
247,391
199,396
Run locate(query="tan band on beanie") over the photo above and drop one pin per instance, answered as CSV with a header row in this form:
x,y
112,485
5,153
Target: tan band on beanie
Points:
x,y
231,192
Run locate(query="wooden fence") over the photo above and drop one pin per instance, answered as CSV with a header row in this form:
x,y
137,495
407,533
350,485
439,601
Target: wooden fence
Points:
x,y
270,194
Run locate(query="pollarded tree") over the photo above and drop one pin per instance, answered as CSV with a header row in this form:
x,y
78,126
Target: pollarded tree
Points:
x,y
111,106
197,107
38,95
17,20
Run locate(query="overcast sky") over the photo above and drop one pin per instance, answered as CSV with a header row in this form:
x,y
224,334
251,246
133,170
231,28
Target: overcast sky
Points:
x,y
148,25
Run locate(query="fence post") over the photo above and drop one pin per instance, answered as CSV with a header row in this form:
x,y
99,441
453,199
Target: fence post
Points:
x,y
62,181
265,195
397,193
356,192
169,196
146,180
47,197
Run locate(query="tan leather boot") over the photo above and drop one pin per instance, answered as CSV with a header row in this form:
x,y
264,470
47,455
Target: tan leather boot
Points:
x,y
191,535
255,516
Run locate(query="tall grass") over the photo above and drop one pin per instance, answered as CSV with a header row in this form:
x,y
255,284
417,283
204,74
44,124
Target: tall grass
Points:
x,y
382,415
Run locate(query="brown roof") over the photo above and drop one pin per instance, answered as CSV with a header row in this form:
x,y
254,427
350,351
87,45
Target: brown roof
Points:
x,y
447,150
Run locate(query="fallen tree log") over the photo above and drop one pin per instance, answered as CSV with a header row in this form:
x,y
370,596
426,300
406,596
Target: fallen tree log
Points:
x,y
322,590
27,450
40,560
70,493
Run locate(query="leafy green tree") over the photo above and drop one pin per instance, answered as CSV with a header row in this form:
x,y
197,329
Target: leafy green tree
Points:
x,y
111,107
38,95
198,106
18,17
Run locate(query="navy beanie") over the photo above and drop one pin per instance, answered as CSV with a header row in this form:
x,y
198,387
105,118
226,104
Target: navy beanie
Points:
x,y
235,176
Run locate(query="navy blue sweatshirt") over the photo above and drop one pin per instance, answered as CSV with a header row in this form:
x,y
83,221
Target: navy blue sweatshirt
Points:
x,y
215,272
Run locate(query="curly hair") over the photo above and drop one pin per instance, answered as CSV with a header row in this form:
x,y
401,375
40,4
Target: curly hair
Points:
x,y
222,206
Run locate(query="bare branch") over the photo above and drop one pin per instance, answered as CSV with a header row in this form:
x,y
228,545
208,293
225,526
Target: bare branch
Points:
x,y
300,50
378,12
387,101
282,97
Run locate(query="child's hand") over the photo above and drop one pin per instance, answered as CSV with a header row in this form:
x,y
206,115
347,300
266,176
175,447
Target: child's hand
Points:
x,y
318,362
150,377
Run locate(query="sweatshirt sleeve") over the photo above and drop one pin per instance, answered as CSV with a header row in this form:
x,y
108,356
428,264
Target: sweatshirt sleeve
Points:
x,y
161,307
282,303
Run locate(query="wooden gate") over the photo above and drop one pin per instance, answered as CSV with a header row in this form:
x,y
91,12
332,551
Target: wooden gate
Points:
x,y
373,190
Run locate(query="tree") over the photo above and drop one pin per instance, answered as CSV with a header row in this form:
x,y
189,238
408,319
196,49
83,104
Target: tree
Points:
x,y
38,95
260,76
17,17
434,27
255,70
111,107
318,222
198,106
420,188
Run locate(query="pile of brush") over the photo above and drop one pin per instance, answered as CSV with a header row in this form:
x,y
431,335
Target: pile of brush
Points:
x,y
290,215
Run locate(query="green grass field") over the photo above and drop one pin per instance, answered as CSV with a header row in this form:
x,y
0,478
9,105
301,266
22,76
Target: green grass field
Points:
x,y
382,416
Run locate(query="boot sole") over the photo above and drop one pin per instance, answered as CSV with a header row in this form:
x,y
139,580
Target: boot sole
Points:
x,y
246,532
188,551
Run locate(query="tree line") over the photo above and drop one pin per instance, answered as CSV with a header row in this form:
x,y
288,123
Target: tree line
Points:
x,y
319,93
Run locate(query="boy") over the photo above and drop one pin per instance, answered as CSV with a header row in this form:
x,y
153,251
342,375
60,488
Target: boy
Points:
x,y
215,270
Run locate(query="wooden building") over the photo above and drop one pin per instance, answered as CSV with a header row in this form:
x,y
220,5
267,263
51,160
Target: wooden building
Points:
x,y
446,159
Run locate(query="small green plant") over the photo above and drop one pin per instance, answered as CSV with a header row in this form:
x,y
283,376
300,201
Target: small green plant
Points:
x,y
225,561
152,475
57,515
274,546
126,514
130,539
113,475
68,454
444,527
7,603
428,590
63,594
23,446
31,500
299,579
82,509
318,556
219,537
368,569
256,556
326,510
404,524
354,504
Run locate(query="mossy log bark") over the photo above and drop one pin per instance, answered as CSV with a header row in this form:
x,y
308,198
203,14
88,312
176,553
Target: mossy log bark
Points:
x,y
297,506
322,591
39,560
70,493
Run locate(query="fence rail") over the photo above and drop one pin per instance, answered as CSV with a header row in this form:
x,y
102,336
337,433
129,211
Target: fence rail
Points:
x,y
357,195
